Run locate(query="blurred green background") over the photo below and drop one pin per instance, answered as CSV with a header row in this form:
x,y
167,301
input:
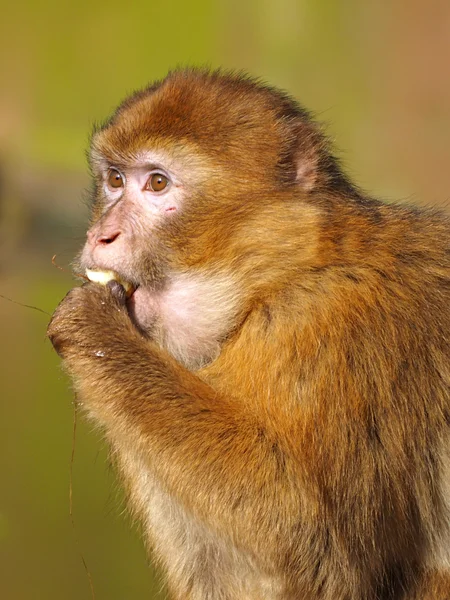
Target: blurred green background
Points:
x,y
377,73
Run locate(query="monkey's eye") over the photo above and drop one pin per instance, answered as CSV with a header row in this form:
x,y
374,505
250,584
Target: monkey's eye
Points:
x,y
115,179
157,182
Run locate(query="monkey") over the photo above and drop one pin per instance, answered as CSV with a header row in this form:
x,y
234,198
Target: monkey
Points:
x,y
274,383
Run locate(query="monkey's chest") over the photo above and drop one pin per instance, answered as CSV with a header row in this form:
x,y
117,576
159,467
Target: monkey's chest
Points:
x,y
193,555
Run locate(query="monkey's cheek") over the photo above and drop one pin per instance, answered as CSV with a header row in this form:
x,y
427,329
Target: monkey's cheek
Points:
x,y
143,309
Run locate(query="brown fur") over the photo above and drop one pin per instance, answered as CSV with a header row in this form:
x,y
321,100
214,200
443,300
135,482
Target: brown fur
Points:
x,y
306,460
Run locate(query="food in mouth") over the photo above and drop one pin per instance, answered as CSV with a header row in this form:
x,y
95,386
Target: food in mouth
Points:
x,y
103,277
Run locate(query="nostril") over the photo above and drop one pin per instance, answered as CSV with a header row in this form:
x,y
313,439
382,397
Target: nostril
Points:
x,y
108,238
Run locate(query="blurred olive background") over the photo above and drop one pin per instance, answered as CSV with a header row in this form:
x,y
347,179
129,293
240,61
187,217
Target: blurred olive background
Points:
x,y
378,74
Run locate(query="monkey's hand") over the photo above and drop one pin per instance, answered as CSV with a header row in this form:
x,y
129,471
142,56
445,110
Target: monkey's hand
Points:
x,y
208,448
90,320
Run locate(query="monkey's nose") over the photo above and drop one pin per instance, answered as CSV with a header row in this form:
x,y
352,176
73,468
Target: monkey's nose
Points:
x,y
102,238
107,238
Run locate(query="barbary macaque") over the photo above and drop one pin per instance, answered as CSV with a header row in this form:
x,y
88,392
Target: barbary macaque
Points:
x,y
275,383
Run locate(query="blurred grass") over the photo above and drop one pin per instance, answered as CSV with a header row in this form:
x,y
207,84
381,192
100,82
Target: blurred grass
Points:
x,y
375,73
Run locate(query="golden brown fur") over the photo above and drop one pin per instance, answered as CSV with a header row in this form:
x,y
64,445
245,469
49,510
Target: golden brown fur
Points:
x,y
300,453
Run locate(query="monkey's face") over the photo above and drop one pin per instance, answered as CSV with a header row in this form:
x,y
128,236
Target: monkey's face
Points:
x,y
135,205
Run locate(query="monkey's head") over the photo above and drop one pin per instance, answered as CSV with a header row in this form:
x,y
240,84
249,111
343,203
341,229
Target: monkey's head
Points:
x,y
186,171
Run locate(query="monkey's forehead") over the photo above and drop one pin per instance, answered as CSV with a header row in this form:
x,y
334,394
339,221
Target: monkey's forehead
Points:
x,y
216,111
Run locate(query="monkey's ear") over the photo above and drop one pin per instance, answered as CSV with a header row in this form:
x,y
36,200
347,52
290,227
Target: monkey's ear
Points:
x,y
307,170
314,166
306,149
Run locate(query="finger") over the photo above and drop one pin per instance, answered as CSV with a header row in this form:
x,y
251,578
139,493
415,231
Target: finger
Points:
x,y
117,291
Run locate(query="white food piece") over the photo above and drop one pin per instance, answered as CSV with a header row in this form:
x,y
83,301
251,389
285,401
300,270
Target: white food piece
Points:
x,y
102,277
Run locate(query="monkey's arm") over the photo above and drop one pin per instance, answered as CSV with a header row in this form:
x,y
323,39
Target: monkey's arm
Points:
x,y
219,458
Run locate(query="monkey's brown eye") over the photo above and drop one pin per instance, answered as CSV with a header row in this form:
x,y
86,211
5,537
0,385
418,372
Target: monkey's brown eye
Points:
x,y
157,182
115,179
